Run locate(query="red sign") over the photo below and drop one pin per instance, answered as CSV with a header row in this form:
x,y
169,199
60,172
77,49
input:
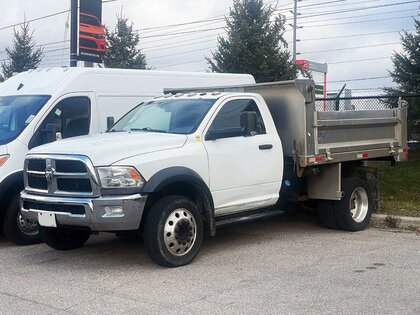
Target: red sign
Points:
x,y
92,42
303,64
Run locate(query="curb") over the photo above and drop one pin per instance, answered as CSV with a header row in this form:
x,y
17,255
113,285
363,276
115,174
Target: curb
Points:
x,y
402,221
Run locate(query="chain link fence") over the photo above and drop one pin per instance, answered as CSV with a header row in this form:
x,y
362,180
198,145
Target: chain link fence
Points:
x,y
399,185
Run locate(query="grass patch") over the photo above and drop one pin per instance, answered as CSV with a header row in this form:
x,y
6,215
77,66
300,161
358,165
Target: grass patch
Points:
x,y
399,187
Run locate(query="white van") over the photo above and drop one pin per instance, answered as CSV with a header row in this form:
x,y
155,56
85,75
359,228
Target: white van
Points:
x,y
41,106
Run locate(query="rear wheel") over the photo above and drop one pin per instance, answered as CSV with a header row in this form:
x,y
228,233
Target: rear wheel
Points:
x,y
354,210
63,238
17,229
173,231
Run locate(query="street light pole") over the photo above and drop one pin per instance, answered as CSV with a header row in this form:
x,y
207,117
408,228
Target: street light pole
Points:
x,y
294,30
73,33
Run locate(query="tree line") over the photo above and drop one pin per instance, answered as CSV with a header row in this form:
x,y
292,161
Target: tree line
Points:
x,y
254,44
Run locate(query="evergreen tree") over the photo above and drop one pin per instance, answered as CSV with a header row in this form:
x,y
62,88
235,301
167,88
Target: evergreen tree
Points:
x,y
122,51
23,55
254,44
406,73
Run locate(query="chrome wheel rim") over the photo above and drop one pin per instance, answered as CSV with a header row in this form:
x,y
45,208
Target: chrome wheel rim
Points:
x,y
27,227
180,232
359,204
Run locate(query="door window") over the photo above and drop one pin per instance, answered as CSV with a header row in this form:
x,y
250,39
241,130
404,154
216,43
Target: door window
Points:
x,y
70,117
230,114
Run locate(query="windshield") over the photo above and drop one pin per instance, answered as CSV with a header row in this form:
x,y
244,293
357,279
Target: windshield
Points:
x,y
169,116
16,112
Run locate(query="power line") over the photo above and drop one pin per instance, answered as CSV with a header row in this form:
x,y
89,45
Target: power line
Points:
x,y
349,48
340,5
176,46
182,33
44,17
353,35
358,60
179,24
205,36
42,45
33,20
358,9
359,79
358,16
181,53
362,21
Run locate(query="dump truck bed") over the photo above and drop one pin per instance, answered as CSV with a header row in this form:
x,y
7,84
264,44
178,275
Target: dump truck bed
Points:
x,y
313,138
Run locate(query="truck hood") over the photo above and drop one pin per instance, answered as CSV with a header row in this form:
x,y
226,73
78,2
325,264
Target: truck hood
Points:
x,y
109,148
3,149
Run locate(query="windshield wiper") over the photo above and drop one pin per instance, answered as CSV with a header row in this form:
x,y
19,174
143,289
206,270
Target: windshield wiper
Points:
x,y
148,129
113,130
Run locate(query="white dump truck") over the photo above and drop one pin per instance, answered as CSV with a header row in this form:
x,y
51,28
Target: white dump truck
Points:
x,y
179,166
41,106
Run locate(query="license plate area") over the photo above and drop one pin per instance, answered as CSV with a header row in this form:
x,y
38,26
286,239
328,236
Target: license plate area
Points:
x,y
47,219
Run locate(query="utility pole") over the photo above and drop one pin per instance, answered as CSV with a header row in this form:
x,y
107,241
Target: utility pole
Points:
x,y
295,27
73,33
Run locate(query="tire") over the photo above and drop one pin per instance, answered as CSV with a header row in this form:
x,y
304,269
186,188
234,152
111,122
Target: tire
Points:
x,y
326,214
63,238
354,210
173,231
16,228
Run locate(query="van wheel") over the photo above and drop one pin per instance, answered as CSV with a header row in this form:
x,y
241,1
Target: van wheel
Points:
x,y
17,229
173,231
354,210
326,214
63,238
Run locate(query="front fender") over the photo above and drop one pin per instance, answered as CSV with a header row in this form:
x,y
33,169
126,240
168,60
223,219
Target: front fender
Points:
x,y
179,174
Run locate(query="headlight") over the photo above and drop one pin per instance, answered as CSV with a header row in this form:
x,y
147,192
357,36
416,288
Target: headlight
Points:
x,y
120,177
3,159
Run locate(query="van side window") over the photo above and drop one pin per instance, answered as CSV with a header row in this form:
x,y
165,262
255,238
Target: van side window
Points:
x,y
70,117
230,114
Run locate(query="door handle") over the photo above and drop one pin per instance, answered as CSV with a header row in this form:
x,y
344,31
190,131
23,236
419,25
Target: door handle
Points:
x,y
265,146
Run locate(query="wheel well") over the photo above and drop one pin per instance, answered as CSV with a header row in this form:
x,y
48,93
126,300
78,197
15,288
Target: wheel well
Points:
x,y
10,189
192,191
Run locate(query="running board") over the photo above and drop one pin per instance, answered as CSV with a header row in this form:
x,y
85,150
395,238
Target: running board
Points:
x,y
234,219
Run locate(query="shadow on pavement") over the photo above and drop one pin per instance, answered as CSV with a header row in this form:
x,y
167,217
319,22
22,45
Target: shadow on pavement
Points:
x,y
110,251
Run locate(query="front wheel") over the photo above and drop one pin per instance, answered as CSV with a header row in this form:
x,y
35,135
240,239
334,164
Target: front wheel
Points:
x,y
63,238
173,231
17,229
354,210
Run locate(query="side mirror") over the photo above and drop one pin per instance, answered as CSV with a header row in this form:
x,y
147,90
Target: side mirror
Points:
x,y
249,123
109,122
52,132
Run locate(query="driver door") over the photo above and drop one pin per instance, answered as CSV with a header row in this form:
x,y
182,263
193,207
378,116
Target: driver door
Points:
x,y
239,166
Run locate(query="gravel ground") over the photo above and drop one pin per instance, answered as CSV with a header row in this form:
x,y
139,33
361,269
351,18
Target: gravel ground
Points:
x,y
280,265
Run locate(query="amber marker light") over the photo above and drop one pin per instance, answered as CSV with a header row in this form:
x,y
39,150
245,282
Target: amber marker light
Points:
x,y
3,159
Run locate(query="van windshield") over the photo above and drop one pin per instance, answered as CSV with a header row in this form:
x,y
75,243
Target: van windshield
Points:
x,y
16,112
181,116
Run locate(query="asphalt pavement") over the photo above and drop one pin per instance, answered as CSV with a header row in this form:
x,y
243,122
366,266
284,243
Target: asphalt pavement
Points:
x,y
274,266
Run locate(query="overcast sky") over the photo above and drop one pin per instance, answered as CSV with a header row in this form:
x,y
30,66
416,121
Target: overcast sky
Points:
x,y
186,52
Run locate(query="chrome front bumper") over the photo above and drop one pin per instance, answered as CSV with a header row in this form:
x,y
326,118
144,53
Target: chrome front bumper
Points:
x,y
95,215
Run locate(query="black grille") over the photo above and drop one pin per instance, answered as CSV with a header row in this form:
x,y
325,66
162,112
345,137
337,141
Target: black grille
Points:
x,y
88,43
37,165
37,182
74,185
54,207
68,166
